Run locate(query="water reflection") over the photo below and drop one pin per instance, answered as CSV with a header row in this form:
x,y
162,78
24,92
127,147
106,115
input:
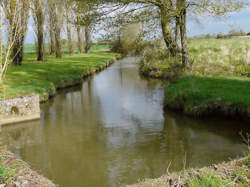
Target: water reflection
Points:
x,y
113,130
19,135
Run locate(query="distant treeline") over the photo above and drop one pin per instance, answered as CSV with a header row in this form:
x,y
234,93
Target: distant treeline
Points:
x,y
232,33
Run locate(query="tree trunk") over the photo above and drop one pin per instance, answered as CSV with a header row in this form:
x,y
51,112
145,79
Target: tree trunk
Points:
x,y
58,42
79,36
51,8
40,37
87,39
70,44
51,34
183,32
57,28
177,30
166,32
177,24
17,52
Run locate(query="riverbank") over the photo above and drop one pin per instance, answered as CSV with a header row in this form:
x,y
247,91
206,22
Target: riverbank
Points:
x,y
202,96
15,172
233,173
217,83
44,78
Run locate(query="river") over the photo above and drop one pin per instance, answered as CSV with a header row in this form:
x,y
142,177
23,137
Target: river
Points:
x,y
112,130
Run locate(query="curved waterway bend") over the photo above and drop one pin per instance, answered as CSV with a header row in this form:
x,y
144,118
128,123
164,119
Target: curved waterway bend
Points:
x,y
112,130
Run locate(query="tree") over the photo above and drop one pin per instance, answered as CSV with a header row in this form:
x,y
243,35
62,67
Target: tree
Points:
x,y
20,9
38,16
69,20
13,25
79,33
51,27
87,17
169,16
56,8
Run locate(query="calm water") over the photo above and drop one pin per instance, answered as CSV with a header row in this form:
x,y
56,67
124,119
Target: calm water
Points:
x,y
112,130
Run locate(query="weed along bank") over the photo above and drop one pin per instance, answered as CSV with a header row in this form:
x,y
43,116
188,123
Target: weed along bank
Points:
x,y
19,109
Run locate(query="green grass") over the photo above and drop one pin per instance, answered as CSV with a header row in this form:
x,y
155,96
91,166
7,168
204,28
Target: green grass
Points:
x,y
206,180
8,167
201,90
220,56
31,48
43,77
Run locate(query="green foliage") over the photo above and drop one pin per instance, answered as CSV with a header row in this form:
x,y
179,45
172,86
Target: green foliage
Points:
x,y
220,35
8,167
6,174
206,180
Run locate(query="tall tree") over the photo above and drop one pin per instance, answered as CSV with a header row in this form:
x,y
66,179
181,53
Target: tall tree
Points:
x,y
79,33
19,29
56,7
87,17
38,16
68,11
51,27
12,24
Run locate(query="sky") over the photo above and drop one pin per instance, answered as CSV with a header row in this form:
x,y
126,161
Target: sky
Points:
x,y
209,25
200,26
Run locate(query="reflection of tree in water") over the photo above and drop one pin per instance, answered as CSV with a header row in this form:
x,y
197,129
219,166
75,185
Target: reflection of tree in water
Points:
x,y
19,135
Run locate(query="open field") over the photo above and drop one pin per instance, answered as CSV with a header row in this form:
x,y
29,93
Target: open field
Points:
x,y
220,56
31,48
44,77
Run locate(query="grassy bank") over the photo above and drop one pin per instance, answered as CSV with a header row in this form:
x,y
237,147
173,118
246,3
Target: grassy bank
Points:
x,y
14,172
44,78
217,83
201,96
234,173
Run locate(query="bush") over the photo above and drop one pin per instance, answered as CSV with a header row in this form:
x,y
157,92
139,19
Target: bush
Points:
x,y
220,36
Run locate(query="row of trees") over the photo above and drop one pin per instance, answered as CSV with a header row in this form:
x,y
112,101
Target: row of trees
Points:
x,y
167,18
48,15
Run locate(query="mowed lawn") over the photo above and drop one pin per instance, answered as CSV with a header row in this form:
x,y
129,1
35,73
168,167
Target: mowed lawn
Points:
x,y
44,77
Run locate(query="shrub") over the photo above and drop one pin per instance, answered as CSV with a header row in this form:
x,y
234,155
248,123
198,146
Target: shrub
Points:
x,y
220,36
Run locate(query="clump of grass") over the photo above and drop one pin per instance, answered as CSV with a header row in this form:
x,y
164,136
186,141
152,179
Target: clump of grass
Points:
x,y
207,179
8,167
